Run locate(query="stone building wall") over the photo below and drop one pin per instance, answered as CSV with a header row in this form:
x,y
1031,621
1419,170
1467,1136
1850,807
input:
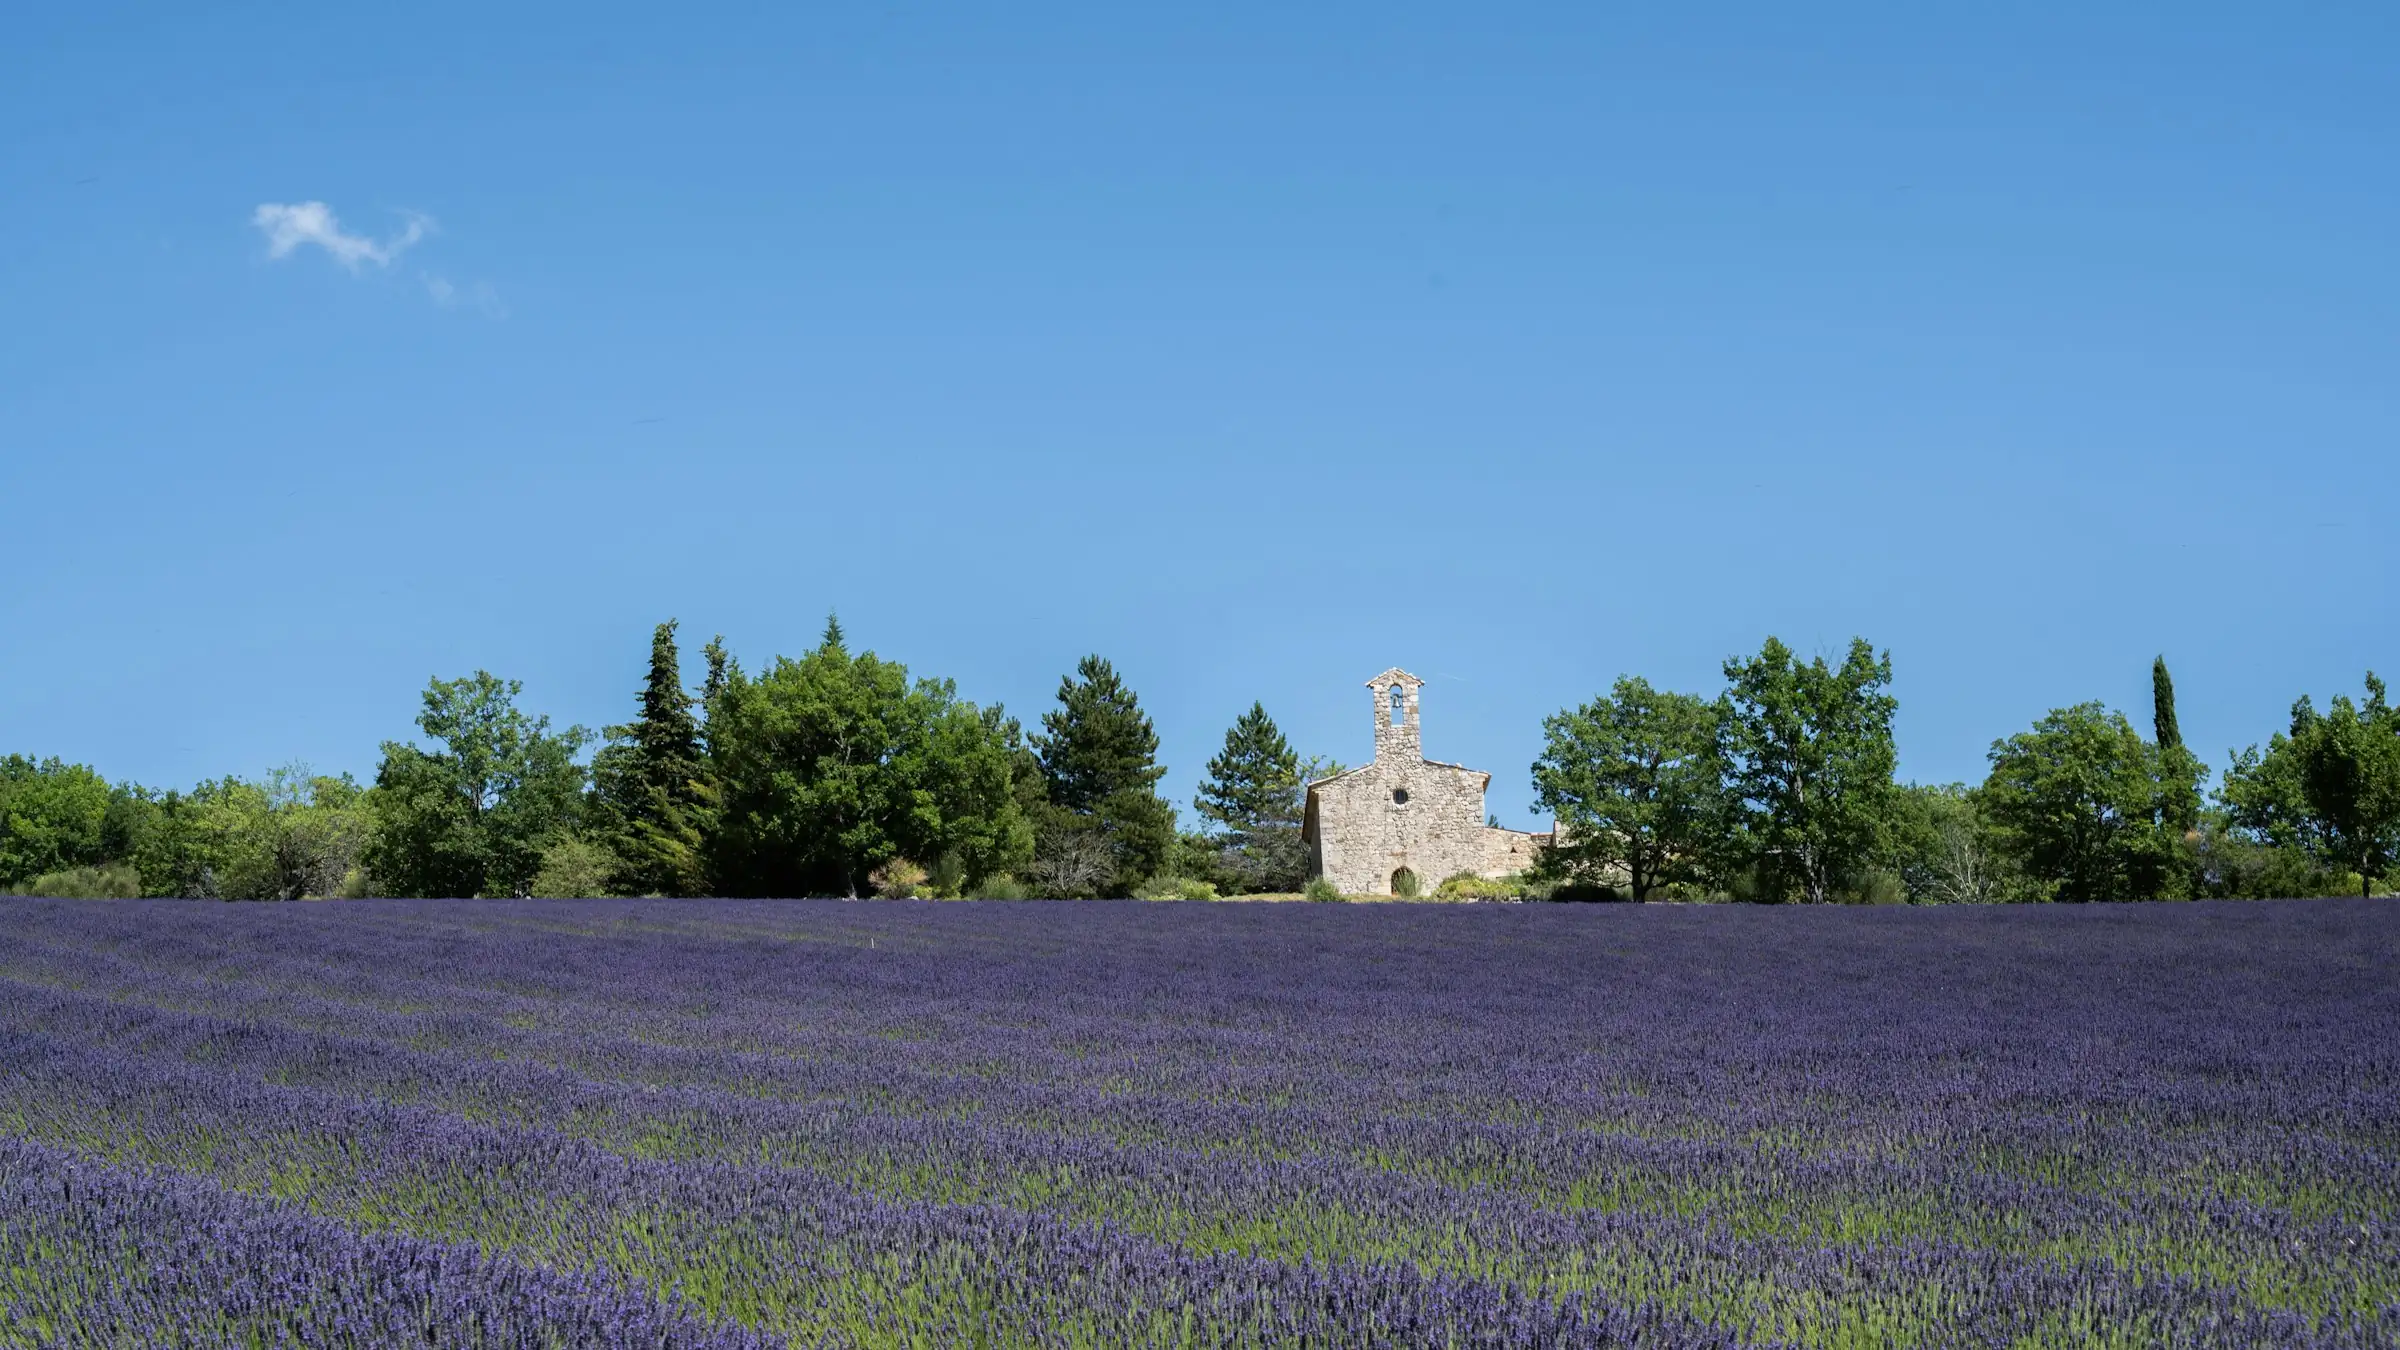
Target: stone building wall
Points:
x,y
1510,851
1406,812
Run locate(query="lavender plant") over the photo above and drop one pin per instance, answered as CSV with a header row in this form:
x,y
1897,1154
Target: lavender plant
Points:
x,y
763,1123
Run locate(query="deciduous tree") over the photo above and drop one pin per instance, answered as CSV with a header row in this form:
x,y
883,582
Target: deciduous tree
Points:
x,y
474,816
832,765
2331,786
2087,805
53,816
1635,783
1810,757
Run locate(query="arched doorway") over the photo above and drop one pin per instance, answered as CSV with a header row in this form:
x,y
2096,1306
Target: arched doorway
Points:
x,y
1404,883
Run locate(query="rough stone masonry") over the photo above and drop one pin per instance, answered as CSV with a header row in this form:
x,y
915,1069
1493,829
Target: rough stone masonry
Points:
x,y
1406,819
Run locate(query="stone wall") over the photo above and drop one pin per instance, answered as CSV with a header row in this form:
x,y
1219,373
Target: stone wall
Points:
x,y
1406,812
1510,851
1375,821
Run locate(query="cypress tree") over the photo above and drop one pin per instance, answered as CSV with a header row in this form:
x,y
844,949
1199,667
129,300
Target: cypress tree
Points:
x,y
2179,771
2162,707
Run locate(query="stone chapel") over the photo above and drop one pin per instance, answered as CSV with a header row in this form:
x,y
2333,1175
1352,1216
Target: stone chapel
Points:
x,y
1406,819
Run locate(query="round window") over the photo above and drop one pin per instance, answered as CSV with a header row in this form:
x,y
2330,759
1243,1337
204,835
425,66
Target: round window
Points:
x,y
1399,796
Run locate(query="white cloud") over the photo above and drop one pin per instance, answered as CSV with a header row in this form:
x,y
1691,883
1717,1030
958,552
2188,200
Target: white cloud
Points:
x,y
287,227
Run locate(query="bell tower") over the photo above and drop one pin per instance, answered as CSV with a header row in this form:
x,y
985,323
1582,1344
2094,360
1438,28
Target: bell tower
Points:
x,y
1397,737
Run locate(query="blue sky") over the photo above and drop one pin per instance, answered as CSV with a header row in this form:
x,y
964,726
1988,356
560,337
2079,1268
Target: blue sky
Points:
x,y
1258,348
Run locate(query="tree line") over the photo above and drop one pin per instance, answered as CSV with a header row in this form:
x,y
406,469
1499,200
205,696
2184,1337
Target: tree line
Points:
x,y
1782,788
830,773
838,773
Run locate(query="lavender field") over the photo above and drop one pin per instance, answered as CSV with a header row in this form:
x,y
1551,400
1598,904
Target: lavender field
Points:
x,y
702,1123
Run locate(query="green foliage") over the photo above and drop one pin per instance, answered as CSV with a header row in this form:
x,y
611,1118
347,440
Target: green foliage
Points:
x,y
2223,861
1469,886
651,791
2166,735
2331,787
1944,850
1098,742
575,868
900,879
1635,782
1253,794
1406,885
475,816
1810,757
1167,887
293,835
2088,807
171,848
2180,771
1098,756
1002,887
946,878
109,881
53,818
1321,891
1876,887
1254,779
830,766
1579,892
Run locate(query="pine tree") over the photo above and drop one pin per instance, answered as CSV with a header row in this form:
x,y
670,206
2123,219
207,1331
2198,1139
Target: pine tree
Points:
x,y
1098,742
1253,795
719,666
832,641
1099,757
1254,783
653,782
2162,707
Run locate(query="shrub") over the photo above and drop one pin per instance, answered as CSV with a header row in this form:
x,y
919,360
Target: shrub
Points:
x,y
1405,885
1584,892
947,878
573,869
108,881
1878,888
1001,887
1469,886
898,879
1174,888
1321,890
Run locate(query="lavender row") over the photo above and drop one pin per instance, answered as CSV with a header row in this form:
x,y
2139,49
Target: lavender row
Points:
x,y
2156,1124
424,1168
797,1258
96,1256
1202,1197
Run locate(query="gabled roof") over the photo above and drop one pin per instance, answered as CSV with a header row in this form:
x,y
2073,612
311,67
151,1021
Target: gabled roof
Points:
x,y
1429,763
1394,675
